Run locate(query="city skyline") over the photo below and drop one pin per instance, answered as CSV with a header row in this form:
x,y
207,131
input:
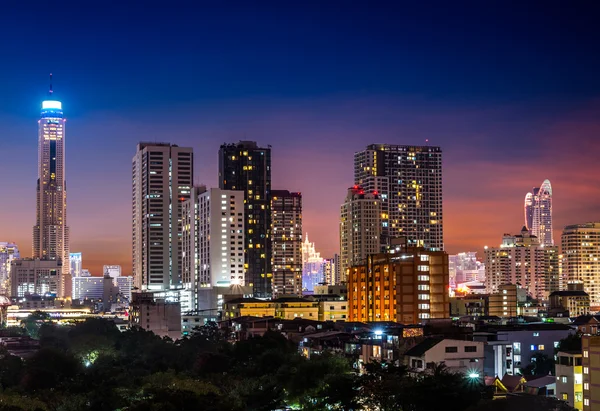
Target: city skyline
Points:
x,y
499,133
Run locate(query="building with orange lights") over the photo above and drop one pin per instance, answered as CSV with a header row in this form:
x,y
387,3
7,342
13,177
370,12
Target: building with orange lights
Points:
x,y
408,287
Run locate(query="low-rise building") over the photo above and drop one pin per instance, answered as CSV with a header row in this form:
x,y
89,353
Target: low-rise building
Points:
x,y
459,356
569,378
341,290
295,307
574,299
587,324
504,302
469,305
248,307
156,314
590,346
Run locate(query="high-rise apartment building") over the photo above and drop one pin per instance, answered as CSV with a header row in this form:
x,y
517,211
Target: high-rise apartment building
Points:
x,y
50,233
247,167
331,270
538,213
581,258
75,264
286,235
464,267
409,286
36,277
313,266
162,180
213,240
8,253
409,182
360,228
521,259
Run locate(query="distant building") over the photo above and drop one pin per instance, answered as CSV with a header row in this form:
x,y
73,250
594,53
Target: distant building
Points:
x,y
156,314
581,258
569,378
472,305
538,213
8,253
360,228
465,357
332,270
113,271
464,268
76,264
408,287
522,259
341,290
34,276
286,235
248,307
88,288
313,266
574,300
504,302
591,372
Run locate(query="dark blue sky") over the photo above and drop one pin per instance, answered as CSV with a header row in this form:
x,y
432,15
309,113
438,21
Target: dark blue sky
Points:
x,y
499,85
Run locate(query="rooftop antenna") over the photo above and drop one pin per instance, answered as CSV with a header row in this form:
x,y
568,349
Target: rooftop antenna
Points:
x,y
50,92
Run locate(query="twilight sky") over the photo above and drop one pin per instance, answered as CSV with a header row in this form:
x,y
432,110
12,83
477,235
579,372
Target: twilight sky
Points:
x,y
510,91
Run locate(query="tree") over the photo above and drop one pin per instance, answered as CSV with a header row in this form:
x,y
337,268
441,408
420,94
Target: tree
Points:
x,y
34,321
540,365
572,342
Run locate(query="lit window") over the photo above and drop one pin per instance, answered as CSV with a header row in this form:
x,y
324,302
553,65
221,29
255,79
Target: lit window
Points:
x,y
565,397
586,370
586,401
564,379
585,354
541,347
536,334
586,386
578,378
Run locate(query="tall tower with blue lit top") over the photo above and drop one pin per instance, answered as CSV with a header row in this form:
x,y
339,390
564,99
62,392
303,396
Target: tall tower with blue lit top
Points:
x,y
50,233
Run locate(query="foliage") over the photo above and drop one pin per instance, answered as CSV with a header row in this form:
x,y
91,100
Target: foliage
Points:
x,y
33,322
570,343
540,365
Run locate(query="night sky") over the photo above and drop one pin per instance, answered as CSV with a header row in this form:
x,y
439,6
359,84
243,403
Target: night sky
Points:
x,y
510,91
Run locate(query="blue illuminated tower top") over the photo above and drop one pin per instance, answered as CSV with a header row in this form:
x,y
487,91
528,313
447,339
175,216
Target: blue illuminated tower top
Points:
x,y
51,108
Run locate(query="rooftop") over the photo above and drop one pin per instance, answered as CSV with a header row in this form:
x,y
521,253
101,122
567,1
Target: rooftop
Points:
x,y
420,349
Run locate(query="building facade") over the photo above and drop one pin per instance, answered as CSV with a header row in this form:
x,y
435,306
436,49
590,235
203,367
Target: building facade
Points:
x,y
581,258
521,259
156,314
51,233
464,268
313,267
504,302
590,345
8,253
408,287
162,180
360,228
569,378
286,235
213,240
75,261
573,299
409,181
36,277
465,357
247,167
538,213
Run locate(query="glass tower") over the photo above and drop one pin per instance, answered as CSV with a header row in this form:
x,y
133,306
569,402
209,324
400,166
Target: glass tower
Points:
x,y
538,213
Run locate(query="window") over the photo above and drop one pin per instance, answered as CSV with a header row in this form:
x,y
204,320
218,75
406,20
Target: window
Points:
x,y
536,334
533,347
470,348
586,401
586,370
578,396
517,358
565,396
555,344
541,347
578,378
585,354
451,349
564,379
586,386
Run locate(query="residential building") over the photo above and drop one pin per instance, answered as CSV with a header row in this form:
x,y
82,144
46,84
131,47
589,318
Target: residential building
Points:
x,y
341,290
465,357
588,324
35,276
212,243
408,287
289,308
88,288
162,180
160,315
8,253
522,259
573,299
473,305
569,378
75,262
581,258
465,268
409,182
590,346
331,270
248,307
333,310
247,167
504,303
313,267
50,232
538,213
286,235
360,228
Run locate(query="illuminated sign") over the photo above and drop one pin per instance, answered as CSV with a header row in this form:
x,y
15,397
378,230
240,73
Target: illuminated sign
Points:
x,y
51,104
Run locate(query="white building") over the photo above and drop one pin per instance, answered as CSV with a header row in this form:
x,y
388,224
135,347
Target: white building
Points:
x,y
538,213
76,264
313,266
88,288
8,253
464,268
213,242
113,271
360,228
162,180
461,356
34,276
523,260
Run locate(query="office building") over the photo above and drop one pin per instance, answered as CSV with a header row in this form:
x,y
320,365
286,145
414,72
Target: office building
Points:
x,y
8,253
569,378
36,277
50,233
522,259
88,288
113,271
75,262
590,345
313,266
247,167
213,242
409,182
408,287
538,213
162,180
286,235
581,258
360,228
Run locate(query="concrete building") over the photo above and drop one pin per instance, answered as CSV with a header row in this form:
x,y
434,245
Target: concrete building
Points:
x,y
332,270
50,232
465,268
76,264
569,378
590,346
465,357
473,305
247,167
504,303
289,308
35,276
538,213
212,243
408,287
333,309
248,307
313,267
573,299
88,288
409,182
8,253
581,258
521,259
360,228
113,271
162,180
286,235
341,290
159,315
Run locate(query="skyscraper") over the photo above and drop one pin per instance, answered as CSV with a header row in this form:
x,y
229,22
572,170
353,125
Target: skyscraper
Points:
x,y
76,264
360,228
247,167
313,266
286,234
581,258
50,233
8,253
162,180
408,180
538,213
